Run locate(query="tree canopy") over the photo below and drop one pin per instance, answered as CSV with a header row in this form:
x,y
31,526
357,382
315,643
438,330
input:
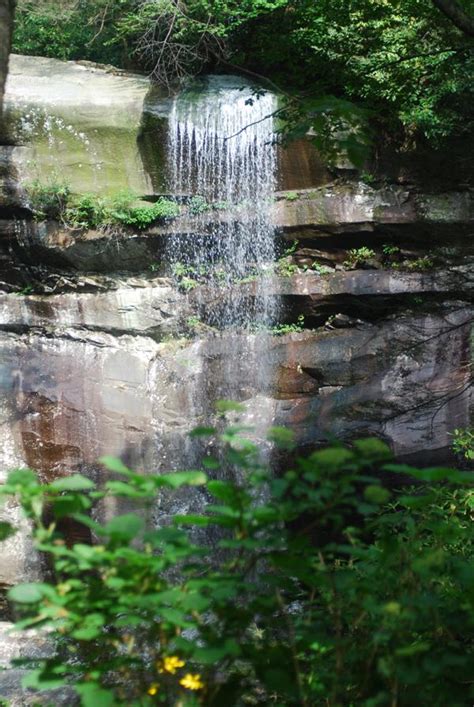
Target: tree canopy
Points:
x,y
410,62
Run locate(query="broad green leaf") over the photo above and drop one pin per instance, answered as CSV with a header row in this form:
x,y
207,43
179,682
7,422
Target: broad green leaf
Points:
x,y
229,406
376,494
6,530
192,519
114,464
224,491
125,527
93,695
70,504
373,449
76,482
282,436
182,478
28,593
38,680
22,477
203,432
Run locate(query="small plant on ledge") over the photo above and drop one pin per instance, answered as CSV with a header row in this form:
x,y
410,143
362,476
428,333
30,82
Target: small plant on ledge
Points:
x,y
463,443
358,256
285,267
49,200
54,201
321,269
423,263
291,196
282,329
198,205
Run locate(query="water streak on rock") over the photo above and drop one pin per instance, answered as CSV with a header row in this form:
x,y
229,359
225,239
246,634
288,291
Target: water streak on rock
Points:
x,y
222,155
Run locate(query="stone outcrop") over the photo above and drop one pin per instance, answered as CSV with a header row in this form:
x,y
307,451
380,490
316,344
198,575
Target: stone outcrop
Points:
x,y
7,8
76,123
353,211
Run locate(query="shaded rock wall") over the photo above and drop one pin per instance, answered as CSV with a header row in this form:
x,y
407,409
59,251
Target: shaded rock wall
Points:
x,y
7,8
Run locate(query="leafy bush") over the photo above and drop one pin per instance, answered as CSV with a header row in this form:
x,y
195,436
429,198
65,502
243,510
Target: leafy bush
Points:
x,y
285,267
422,263
198,205
322,587
143,216
64,29
53,201
358,256
463,443
321,269
88,211
389,249
282,329
49,200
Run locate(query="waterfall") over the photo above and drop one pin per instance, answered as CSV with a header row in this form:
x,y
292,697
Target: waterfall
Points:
x,y
222,162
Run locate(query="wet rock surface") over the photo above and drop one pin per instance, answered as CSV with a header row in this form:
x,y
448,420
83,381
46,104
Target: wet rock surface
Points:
x,y
76,122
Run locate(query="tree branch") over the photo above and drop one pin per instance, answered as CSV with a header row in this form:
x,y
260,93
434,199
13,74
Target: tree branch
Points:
x,y
458,16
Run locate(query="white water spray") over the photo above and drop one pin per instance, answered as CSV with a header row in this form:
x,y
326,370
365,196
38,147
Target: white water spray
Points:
x,y
222,159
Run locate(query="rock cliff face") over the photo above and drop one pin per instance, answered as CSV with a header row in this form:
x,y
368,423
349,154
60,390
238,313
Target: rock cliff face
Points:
x,y
104,351
7,8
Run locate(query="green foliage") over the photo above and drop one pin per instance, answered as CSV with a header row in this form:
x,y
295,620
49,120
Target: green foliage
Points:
x,y
389,249
285,267
424,262
322,586
143,216
292,248
291,196
49,200
88,211
198,205
64,29
358,256
340,62
368,178
321,269
463,443
187,276
53,200
282,329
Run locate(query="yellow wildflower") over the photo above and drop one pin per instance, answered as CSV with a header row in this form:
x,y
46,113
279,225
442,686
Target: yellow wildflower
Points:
x,y
192,682
153,689
170,664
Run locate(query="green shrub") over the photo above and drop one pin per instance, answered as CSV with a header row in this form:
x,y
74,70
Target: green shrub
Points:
x,y
358,256
321,269
282,329
285,267
53,200
143,216
198,205
88,211
422,263
63,29
463,443
49,200
389,249
321,586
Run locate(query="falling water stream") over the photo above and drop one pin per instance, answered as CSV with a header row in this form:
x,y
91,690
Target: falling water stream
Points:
x,y
222,159
222,162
